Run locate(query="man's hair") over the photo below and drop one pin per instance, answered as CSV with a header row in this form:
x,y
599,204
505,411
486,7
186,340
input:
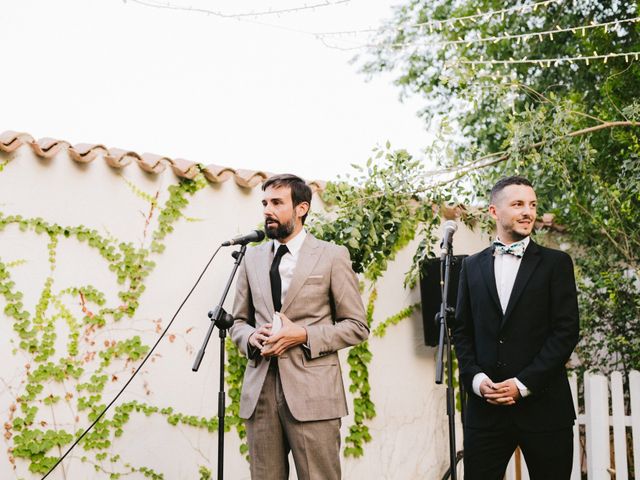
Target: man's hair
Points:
x,y
505,182
300,191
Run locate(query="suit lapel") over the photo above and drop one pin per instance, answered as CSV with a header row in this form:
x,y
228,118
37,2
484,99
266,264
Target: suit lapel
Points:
x,y
307,259
264,261
488,273
528,264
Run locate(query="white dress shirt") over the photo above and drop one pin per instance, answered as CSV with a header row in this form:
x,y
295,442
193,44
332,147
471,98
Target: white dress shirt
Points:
x,y
506,269
288,265
289,261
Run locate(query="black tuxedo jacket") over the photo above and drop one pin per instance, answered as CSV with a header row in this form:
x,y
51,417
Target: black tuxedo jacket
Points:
x,y
531,341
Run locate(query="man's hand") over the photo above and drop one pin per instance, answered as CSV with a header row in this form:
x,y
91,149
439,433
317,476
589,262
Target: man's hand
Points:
x,y
503,393
289,336
257,338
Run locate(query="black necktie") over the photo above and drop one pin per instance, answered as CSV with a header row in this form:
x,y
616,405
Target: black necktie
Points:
x,y
276,281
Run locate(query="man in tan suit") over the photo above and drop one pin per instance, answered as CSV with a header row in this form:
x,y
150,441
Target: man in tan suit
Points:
x,y
292,395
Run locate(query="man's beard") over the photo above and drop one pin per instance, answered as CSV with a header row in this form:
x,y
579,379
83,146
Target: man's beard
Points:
x,y
281,230
515,235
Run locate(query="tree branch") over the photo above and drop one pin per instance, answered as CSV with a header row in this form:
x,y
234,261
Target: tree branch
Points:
x,y
505,154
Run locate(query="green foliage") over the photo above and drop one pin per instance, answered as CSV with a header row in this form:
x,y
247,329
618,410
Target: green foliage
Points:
x,y
381,328
359,359
37,336
571,127
147,197
132,349
172,210
236,365
378,212
33,444
205,473
483,96
372,215
610,311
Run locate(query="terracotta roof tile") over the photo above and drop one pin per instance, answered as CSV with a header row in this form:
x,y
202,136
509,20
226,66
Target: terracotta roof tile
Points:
x,y
10,140
217,174
86,152
250,178
547,221
184,168
48,147
152,163
149,162
119,158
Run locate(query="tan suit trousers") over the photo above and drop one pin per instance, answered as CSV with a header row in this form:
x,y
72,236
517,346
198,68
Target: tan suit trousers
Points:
x,y
272,432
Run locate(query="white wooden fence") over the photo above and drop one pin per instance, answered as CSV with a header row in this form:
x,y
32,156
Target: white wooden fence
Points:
x,y
604,455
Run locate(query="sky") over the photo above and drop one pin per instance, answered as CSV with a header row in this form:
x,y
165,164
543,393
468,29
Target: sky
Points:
x,y
259,93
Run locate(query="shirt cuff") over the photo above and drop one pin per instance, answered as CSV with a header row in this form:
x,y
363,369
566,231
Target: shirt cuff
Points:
x,y
477,381
524,391
252,352
306,347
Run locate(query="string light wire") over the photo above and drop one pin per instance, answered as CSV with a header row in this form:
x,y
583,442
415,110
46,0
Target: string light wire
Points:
x,y
217,13
494,39
556,61
437,24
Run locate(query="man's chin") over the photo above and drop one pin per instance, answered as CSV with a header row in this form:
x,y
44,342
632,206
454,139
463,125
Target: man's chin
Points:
x,y
521,234
271,233
276,233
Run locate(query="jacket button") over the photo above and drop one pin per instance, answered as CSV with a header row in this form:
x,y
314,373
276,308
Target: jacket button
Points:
x,y
501,341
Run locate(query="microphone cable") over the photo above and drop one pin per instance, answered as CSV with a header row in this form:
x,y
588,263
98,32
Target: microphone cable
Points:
x,y
166,329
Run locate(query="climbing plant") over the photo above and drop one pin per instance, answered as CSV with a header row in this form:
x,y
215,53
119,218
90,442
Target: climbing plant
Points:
x,y
77,375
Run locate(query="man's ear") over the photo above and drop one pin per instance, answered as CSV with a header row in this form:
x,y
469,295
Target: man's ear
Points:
x,y
492,211
302,209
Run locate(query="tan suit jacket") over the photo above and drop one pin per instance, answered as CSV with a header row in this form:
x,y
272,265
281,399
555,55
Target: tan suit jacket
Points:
x,y
324,298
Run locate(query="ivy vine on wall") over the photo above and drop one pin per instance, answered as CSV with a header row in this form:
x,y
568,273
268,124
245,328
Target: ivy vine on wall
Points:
x,y
83,374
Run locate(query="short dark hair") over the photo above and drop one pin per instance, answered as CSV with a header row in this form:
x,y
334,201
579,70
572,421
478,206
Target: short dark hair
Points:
x,y
300,191
505,182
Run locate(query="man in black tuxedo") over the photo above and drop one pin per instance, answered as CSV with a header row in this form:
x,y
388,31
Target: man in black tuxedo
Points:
x,y
516,326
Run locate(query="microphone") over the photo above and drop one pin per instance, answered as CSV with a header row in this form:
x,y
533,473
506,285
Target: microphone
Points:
x,y
450,228
255,236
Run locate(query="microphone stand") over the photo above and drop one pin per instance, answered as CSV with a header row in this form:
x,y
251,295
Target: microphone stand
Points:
x,y
222,320
445,340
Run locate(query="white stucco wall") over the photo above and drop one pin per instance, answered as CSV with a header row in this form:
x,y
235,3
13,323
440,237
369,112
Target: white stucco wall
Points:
x,y
410,431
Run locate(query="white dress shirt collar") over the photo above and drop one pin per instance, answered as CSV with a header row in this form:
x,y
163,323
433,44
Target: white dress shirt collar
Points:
x,y
294,245
506,269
